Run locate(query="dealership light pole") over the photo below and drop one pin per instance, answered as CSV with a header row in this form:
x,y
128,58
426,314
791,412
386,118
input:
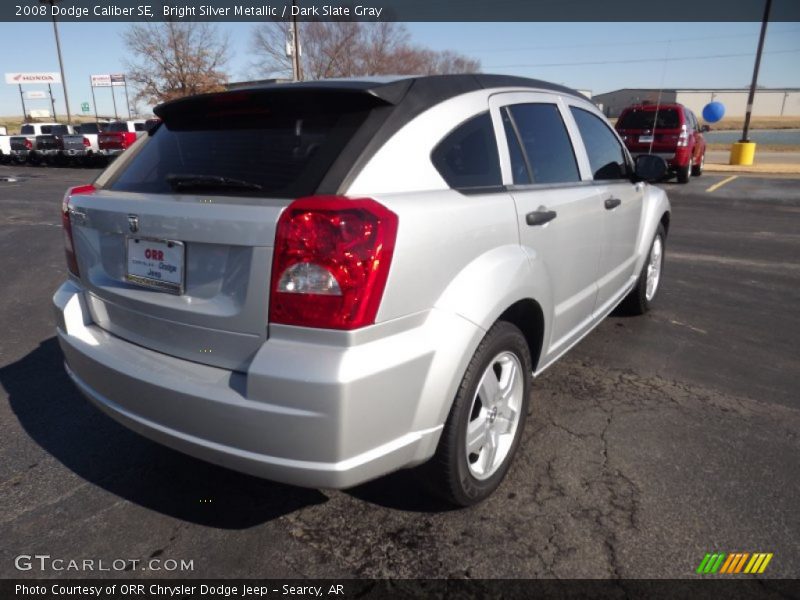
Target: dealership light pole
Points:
x,y
743,152
60,61
751,97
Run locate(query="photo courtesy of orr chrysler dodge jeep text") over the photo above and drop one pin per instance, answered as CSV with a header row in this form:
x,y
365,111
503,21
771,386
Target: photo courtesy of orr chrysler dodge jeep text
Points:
x,y
324,282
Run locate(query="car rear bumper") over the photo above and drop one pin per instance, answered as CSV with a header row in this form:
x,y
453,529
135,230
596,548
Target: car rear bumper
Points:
x,y
111,151
304,413
675,160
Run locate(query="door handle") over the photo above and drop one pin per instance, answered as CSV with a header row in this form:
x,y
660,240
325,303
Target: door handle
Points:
x,y
540,217
612,203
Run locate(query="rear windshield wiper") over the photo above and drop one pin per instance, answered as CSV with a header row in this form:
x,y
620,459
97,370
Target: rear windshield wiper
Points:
x,y
186,182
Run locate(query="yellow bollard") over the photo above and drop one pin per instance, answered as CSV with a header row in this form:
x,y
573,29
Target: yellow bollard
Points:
x,y
742,153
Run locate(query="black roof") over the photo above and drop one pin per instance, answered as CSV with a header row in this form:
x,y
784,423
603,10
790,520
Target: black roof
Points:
x,y
423,91
396,89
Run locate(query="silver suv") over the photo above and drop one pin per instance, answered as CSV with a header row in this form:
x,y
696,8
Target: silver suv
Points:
x,y
324,282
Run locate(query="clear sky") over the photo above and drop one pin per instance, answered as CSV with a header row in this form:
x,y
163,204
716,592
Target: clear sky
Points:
x,y
599,57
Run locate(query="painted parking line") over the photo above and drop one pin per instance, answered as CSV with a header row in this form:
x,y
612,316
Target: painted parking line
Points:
x,y
719,184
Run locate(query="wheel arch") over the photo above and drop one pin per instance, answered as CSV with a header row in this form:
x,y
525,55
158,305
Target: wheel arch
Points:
x,y
665,218
528,317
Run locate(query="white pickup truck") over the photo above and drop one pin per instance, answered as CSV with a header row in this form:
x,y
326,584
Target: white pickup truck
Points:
x,y
23,147
5,145
84,145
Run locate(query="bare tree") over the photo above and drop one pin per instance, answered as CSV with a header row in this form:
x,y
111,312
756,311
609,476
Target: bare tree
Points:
x,y
170,60
351,49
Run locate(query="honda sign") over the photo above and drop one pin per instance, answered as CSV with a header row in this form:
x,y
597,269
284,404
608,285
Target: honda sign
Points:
x,y
19,78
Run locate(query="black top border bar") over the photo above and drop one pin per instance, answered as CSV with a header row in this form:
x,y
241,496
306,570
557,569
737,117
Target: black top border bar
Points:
x,y
399,10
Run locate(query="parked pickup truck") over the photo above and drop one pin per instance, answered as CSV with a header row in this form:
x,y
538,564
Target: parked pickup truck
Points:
x,y
90,143
119,136
23,146
5,146
84,145
344,278
50,144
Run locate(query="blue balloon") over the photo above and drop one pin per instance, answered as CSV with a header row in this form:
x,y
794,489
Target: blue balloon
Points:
x,y
713,112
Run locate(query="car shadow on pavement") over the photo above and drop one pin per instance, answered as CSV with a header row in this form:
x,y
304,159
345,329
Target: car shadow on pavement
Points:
x,y
403,490
57,417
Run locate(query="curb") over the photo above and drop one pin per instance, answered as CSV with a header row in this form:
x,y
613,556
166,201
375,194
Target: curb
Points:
x,y
767,169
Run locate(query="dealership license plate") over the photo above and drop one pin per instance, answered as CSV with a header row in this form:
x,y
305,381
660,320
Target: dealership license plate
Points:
x,y
155,263
645,139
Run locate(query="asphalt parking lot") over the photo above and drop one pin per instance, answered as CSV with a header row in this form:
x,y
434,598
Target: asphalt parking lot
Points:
x,y
656,440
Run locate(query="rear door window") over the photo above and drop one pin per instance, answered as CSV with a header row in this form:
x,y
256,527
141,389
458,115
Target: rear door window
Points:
x,y
26,130
467,157
545,142
664,118
606,155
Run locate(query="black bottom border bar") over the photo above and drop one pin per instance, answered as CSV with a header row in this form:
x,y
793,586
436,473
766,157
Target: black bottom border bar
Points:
x,y
346,589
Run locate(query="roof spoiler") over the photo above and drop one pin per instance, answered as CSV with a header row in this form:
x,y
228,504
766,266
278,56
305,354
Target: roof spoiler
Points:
x,y
282,97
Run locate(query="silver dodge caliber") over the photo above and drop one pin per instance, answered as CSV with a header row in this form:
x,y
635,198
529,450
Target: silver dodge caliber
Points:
x,y
320,283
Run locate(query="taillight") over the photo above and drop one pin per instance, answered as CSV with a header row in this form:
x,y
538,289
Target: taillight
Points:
x,y
66,223
28,144
331,262
87,143
683,138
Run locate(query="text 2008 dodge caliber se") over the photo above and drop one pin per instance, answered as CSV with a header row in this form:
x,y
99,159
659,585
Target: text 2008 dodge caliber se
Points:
x,y
320,283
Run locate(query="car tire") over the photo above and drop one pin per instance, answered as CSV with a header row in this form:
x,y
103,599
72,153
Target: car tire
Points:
x,y
684,173
640,299
489,412
697,170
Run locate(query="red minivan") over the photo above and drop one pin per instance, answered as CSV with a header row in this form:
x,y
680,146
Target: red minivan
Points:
x,y
669,130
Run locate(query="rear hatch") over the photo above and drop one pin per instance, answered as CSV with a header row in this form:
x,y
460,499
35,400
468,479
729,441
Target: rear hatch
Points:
x,y
175,245
650,127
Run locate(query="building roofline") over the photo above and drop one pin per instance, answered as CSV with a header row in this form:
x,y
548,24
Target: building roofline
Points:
x,y
655,89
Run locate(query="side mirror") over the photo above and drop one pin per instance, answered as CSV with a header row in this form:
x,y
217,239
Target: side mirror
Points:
x,y
650,168
705,128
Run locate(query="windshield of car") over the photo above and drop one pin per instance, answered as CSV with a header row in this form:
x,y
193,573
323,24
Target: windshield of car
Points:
x,y
667,118
278,150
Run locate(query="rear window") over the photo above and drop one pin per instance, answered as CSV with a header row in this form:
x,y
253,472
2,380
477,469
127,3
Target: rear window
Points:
x,y
89,128
56,130
667,118
260,146
117,127
26,130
